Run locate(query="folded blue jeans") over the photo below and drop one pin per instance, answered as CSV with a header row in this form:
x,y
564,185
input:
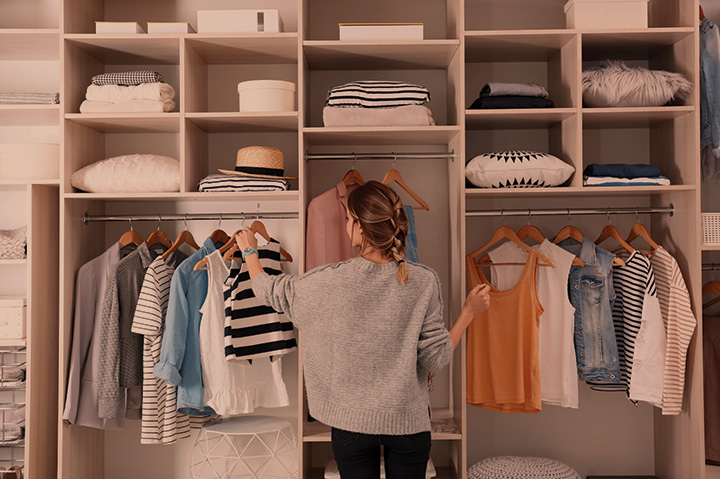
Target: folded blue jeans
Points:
x,y
621,170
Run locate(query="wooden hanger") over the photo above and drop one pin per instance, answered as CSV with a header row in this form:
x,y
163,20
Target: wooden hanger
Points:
x,y
711,287
639,230
702,13
257,227
353,176
185,237
505,232
394,175
158,236
610,231
219,236
229,243
569,231
530,231
130,237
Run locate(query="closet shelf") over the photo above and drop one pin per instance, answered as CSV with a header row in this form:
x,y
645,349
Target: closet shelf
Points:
x,y
266,48
25,183
513,119
632,117
579,191
397,55
38,44
635,44
319,432
4,262
515,46
428,135
195,196
128,122
29,115
12,343
128,49
216,122
710,247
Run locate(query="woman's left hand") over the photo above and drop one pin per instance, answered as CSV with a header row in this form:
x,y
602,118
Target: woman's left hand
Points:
x,y
245,238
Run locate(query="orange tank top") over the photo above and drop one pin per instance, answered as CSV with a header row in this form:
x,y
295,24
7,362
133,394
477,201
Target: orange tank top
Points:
x,y
503,365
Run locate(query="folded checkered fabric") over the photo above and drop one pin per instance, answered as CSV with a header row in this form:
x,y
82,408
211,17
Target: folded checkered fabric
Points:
x,y
377,94
29,98
231,183
127,78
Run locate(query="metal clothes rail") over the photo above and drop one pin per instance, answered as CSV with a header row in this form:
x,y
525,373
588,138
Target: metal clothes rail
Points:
x,y
669,210
450,155
273,215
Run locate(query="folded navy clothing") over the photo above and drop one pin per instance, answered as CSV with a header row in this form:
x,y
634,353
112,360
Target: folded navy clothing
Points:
x,y
622,170
510,101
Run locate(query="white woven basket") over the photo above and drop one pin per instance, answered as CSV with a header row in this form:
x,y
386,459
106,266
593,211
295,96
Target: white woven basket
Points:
x,y
710,228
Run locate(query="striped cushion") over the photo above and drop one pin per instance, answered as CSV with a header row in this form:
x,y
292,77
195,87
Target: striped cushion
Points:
x,y
377,94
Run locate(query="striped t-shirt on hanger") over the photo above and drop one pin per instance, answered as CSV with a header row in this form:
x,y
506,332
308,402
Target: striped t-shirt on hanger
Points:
x,y
377,94
252,329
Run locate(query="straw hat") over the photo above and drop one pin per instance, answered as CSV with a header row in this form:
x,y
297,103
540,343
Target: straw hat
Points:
x,y
259,162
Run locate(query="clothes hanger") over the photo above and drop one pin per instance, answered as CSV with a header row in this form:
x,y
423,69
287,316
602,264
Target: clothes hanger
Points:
x,y
185,237
130,237
610,231
353,175
530,231
569,231
639,230
711,287
505,232
229,243
158,236
394,175
219,235
256,227
702,13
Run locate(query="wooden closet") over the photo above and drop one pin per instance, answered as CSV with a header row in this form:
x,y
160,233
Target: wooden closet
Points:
x,y
467,43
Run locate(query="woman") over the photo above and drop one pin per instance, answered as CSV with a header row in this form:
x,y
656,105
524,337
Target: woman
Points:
x,y
372,327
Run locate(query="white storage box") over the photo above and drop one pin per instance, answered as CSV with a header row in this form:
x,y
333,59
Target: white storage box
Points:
x,y
239,21
13,311
266,95
596,14
29,161
380,31
170,27
118,27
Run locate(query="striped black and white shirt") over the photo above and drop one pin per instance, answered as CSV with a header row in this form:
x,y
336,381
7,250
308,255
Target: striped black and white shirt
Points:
x,y
231,183
377,94
252,329
161,423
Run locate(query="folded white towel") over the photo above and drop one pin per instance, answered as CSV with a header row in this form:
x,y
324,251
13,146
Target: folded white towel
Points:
x,y
410,115
130,106
118,93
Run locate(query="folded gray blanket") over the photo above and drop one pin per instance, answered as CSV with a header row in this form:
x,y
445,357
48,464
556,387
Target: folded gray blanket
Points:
x,y
513,89
410,115
29,98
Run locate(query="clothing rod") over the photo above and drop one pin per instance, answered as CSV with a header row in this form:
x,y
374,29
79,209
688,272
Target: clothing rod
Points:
x,y
711,266
381,156
573,211
279,215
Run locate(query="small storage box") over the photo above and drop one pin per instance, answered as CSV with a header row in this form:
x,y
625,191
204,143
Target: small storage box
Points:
x,y
710,228
13,311
170,27
124,28
29,161
266,95
239,21
596,14
380,31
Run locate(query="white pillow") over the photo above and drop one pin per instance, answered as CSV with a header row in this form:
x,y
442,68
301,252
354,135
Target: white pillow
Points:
x,y
12,243
517,169
129,174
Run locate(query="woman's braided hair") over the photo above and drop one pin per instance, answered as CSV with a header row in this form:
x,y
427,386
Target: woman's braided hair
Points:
x,y
380,213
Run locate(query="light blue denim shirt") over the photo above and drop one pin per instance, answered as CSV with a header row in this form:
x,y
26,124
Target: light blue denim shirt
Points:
x,y
710,96
591,292
411,253
179,363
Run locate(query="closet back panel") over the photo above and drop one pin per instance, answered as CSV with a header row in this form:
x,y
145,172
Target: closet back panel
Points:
x,y
35,14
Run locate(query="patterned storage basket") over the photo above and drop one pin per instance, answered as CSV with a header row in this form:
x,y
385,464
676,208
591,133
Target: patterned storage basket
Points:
x,y
516,467
710,228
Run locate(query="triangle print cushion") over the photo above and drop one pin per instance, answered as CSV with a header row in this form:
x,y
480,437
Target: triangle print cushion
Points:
x,y
517,169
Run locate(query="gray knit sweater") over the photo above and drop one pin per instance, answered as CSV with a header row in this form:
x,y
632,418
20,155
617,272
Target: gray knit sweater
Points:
x,y
367,341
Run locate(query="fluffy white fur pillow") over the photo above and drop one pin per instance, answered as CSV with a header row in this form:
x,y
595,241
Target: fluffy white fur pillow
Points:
x,y
129,174
12,243
616,84
517,169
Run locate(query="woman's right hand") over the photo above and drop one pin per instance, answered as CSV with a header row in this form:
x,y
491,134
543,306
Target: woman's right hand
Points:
x,y
478,299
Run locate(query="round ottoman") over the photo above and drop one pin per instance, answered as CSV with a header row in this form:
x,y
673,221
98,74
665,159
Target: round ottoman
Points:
x,y
517,467
248,447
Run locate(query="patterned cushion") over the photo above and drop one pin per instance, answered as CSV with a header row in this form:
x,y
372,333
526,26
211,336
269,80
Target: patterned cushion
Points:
x,y
129,174
12,243
517,169
516,467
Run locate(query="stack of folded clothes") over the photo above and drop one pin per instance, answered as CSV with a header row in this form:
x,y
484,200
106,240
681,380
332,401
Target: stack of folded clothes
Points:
x,y
11,376
233,183
377,103
12,427
512,95
128,92
29,98
621,174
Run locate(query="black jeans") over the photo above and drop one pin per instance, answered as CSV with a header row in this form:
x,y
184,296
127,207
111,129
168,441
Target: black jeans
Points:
x,y
358,455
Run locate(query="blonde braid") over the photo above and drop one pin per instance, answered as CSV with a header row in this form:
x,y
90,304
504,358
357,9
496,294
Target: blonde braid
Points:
x,y
398,249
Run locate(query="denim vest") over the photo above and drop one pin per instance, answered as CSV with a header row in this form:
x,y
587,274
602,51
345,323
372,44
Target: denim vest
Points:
x,y
590,291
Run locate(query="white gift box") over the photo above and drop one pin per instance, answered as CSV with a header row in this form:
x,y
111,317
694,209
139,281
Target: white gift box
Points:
x,y
13,310
239,21
118,27
266,95
380,31
170,27
597,14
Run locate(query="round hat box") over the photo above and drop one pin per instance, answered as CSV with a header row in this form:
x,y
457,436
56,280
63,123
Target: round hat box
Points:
x,y
266,95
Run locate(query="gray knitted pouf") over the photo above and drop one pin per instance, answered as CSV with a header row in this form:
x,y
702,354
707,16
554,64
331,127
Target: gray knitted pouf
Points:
x,y
516,467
